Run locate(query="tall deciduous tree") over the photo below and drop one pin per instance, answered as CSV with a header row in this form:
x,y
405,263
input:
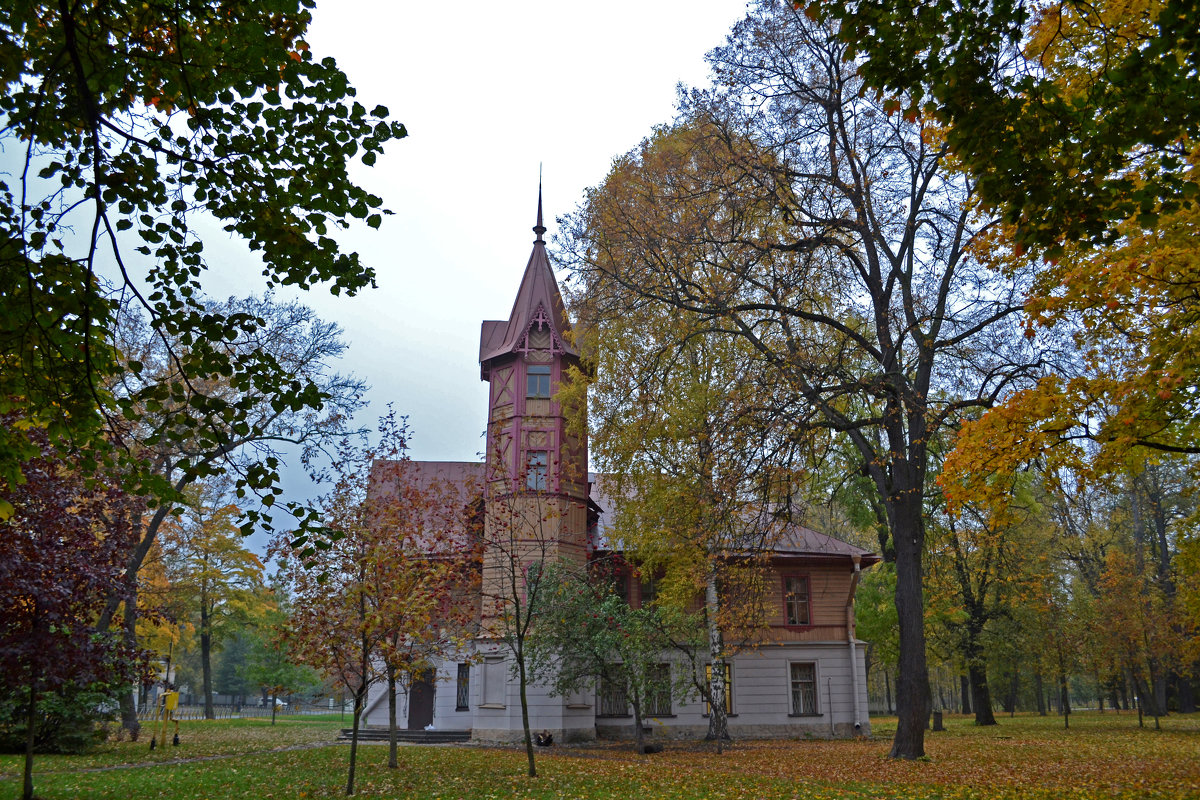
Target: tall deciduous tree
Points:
x,y
385,591
793,210
984,566
423,571
61,555
219,581
131,127
178,443
520,538
1079,121
696,465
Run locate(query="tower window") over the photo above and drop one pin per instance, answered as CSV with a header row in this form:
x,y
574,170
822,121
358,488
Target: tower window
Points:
x,y
537,470
538,381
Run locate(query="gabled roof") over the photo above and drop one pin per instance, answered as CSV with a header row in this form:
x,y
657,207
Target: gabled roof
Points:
x,y
537,299
797,540
787,539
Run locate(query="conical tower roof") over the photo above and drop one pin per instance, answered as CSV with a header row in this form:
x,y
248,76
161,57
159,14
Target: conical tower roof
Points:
x,y
538,302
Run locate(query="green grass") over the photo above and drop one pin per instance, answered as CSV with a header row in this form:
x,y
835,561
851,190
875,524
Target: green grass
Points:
x,y
1102,756
197,739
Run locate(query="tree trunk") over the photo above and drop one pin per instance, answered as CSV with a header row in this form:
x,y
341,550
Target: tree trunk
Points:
x,y
30,732
1064,699
981,695
1041,693
525,711
129,717
887,689
206,667
639,736
1184,694
913,700
360,695
965,692
359,703
1160,688
1010,697
718,722
393,756
1151,694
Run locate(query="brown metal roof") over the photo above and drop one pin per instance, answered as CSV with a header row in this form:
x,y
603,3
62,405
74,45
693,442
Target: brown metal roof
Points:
x,y
797,540
788,540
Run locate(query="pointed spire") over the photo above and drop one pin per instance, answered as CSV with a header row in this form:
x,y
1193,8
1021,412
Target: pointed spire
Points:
x,y
539,229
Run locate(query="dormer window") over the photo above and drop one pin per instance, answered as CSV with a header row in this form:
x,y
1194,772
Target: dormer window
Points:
x,y
537,382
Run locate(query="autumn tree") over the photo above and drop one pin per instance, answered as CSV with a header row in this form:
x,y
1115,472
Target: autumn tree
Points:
x,y
130,128
61,554
520,539
1078,120
985,564
793,211
1075,117
423,569
694,464
217,578
180,444
380,593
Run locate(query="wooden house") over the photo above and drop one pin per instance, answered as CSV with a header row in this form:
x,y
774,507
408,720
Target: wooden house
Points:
x,y
806,677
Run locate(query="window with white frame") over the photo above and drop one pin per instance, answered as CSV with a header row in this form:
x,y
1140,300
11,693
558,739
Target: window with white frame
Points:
x,y
613,700
463,688
495,684
658,690
803,681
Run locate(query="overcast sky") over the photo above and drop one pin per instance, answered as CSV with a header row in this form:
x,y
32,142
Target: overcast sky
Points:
x,y
487,91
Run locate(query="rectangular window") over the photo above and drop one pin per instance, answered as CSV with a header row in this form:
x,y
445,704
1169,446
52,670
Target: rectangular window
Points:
x,y
613,700
463,693
649,591
795,600
728,688
804,689
537,470
658,692
537,381
494,683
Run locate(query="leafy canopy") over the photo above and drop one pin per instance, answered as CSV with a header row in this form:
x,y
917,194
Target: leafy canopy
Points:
x,y
130,128
1073,116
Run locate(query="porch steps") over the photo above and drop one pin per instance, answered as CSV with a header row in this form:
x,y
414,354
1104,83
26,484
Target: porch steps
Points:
x,y
378,734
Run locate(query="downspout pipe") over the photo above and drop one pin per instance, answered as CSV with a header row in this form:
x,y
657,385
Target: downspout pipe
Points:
x,y
850,637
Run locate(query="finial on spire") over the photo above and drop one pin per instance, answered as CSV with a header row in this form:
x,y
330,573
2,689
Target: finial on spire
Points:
x,y
539,229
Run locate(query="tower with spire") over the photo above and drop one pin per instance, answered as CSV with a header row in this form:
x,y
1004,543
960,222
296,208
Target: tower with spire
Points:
x,y
536,480
539,507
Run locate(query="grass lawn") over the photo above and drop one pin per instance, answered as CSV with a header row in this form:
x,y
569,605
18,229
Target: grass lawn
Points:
x,y
1102,756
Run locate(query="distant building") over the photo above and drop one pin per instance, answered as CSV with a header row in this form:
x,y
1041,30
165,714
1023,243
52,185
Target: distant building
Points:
x,y
807,679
